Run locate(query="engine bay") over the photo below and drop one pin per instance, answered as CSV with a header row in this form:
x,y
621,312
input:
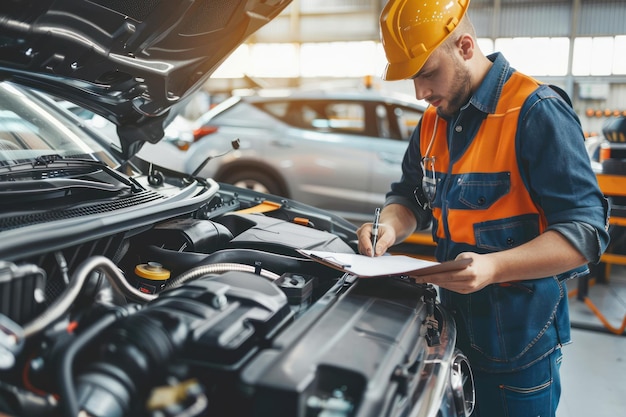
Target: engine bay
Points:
x,y
212,313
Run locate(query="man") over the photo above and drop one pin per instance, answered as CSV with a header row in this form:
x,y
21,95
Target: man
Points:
x,y
498,164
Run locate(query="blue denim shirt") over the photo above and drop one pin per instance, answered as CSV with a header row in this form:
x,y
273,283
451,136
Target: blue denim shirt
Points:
x,y
503,328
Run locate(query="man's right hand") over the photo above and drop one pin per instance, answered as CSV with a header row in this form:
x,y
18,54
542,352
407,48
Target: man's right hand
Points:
x,y
396,224
385,235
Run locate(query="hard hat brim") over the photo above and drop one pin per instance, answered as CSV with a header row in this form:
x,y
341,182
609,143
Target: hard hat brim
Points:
x,y
404,70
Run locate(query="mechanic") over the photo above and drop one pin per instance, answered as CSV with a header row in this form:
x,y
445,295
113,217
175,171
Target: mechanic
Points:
x,y
498,167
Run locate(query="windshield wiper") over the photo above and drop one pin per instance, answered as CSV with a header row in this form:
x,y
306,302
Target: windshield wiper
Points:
x,y
47,159
54,172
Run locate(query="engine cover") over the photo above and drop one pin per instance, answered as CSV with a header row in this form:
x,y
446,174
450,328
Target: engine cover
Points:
x,y
346,357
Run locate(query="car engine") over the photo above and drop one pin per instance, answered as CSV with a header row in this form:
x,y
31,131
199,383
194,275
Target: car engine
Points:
x,y
160,305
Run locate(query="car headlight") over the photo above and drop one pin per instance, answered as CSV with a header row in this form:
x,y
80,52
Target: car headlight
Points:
x,y
462,384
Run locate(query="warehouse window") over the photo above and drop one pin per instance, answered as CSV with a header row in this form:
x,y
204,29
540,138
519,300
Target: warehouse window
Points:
x,y
619,55
235,64
536,56
599,56
334,6
266,60
273,60
338,59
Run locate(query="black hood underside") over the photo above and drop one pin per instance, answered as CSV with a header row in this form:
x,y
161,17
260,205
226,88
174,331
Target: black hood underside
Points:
x,y
128,60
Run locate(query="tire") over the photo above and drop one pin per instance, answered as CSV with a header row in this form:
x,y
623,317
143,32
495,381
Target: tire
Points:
x,y
257,181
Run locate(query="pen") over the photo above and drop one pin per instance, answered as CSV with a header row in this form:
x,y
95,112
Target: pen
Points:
x,y
375,230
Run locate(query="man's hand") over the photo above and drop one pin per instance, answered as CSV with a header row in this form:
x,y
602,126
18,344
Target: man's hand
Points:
x,y
396,224
548,254
477,275
386,238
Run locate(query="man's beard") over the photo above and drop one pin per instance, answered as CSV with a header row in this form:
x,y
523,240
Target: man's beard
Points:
x,y
460,91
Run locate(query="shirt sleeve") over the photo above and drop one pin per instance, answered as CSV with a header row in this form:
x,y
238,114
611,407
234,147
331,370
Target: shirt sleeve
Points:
x,y
557,171
582,236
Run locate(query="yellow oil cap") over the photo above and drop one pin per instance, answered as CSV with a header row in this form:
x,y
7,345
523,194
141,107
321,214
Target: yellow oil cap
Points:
x,y
153,271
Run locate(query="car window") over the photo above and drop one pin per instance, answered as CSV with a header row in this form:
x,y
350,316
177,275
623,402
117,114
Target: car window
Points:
x,y
407,119
337,116
320,115
345,117
277,109
294,113
385,130
244,115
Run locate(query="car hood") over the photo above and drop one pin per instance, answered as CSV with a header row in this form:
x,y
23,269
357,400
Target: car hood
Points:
x,y
128,61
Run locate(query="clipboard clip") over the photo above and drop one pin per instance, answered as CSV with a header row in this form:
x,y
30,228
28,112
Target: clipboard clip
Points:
x,y
329,260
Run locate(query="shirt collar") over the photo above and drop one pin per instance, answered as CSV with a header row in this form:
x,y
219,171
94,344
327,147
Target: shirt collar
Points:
x,y
488,93
486,97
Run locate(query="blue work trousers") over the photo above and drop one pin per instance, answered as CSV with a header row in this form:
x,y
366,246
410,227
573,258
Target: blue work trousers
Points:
x,y
530,392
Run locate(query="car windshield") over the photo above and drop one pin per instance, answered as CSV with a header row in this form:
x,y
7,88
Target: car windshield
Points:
x,y
33,127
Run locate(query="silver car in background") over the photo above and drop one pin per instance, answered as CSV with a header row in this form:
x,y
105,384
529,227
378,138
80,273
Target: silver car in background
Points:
x,y
338,151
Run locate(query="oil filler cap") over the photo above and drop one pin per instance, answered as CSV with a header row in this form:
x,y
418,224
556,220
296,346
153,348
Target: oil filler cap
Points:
x,y
151,277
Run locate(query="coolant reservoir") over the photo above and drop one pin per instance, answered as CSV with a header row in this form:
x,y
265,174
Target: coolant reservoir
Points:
x,y
151,277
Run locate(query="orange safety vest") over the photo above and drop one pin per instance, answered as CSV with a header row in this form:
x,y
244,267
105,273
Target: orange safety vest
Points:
x,y
493,152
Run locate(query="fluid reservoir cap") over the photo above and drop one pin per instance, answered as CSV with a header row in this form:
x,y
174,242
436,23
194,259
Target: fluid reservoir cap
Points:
x,y
153,271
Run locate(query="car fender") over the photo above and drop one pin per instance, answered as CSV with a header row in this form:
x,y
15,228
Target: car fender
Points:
x,y
227,168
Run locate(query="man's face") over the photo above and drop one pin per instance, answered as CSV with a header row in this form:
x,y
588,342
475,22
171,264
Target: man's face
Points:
x,y
444,81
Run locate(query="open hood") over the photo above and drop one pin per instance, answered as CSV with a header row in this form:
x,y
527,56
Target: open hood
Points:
x,y
129,61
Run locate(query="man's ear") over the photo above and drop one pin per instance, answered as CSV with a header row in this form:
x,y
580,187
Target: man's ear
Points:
x,y
466,45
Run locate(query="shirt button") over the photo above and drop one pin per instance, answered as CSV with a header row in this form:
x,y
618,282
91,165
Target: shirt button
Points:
x,y
458,129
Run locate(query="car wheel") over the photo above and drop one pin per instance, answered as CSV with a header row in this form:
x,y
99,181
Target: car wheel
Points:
x,y
256,181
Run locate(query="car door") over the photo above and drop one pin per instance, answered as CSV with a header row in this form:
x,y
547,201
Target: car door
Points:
x,y
322,153
343,154
394,124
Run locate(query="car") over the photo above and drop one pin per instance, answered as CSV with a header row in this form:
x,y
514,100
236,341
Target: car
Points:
x,y
593,144
612,161
612,152
129,290
607,153
337,150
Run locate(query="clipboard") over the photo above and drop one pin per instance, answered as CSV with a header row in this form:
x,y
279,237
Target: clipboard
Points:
x,y
382,266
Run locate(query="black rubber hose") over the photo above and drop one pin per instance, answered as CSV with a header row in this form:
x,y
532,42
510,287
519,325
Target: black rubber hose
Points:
x,y
69,403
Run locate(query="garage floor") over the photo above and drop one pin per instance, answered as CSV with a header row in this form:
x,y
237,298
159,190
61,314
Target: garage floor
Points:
x,y
594,365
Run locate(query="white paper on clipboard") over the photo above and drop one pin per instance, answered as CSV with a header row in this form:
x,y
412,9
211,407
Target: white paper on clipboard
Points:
x,y
382,266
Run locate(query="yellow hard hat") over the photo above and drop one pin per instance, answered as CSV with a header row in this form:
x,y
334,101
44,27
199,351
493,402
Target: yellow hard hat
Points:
x,y
410,31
